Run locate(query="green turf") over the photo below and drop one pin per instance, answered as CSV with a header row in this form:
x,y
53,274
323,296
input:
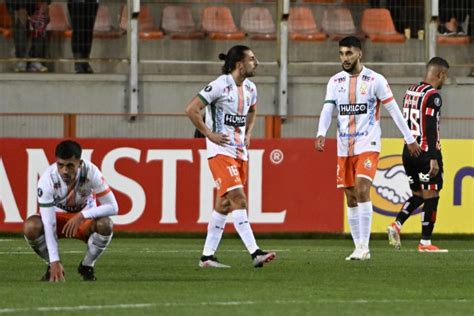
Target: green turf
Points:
x,y
154,276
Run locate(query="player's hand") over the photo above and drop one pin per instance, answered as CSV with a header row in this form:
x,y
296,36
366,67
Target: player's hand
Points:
x,y
434,168
56,272
218,138
319,144
247,140
414,149
72,225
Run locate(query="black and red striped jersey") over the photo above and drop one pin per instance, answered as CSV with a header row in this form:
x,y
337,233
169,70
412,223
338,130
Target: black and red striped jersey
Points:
x,y
421,110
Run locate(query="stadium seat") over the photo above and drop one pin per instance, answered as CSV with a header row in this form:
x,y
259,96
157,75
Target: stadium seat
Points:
x,y
379,27
258,23
58,25
146,27
453,40
320,1
178,23
218,23
338,23
302,26
5,21
355,2
103,27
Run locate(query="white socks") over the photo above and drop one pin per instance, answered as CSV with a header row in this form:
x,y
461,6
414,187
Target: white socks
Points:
x,y
215,229
353,218
39,246
242,226
96,245
365,223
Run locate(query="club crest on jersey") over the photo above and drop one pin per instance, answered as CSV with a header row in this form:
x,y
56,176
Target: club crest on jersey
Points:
x,y
353,109
368,164
235,120
363,89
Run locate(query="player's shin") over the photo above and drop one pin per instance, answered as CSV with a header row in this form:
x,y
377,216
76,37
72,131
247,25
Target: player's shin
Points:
x,y
243,228
96,245
215,229
365,221
429,219
353,219
39,246
408,207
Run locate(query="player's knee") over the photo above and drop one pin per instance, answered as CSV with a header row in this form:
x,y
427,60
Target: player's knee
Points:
x,y
430,209
104,226
33,227
362,194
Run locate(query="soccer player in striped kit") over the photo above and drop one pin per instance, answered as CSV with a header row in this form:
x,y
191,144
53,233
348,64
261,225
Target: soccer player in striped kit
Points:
x,y
421,111
230,102
357,93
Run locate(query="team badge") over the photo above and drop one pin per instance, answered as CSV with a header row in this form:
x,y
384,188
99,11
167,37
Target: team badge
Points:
x,y
40,192
363,89
208,88
368,164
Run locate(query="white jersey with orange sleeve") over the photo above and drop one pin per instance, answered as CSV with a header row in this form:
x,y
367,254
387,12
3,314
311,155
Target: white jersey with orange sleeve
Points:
x,y
73,198
227,106
357,100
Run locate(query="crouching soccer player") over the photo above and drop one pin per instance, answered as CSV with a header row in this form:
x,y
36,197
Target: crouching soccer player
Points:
x,y
66,196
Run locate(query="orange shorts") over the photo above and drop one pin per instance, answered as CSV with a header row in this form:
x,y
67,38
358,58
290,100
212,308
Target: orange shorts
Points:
x,y
228,173
363,165
61,220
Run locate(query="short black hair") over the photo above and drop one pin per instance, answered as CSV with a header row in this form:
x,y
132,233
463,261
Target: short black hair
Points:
x,y
234,55
68,149
350,41
438,61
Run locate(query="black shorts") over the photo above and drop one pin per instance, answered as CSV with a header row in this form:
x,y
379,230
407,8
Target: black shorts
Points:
x,y
417,169
29,5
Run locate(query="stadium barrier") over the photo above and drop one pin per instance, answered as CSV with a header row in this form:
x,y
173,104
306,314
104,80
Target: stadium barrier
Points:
x,y
164,185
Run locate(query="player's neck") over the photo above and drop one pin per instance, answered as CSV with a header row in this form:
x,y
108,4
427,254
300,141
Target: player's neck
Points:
x,y
431,82
357,70
238,79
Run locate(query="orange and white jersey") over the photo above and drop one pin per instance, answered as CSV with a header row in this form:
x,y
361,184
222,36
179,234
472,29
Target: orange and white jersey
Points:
x,y
226,113
357,100
80,195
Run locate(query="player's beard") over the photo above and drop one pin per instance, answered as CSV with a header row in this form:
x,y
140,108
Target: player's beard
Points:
x,y
350,69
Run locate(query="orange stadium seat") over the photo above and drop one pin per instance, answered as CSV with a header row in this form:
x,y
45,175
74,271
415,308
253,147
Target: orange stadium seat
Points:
x,y
355,2
338,23
302,25
58,25
5,21
178,23
146,26
379,27
218,23
103,27
320,1
258,23
453,40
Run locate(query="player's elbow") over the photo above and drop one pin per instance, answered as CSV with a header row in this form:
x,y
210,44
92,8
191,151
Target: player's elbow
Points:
x,y
115,208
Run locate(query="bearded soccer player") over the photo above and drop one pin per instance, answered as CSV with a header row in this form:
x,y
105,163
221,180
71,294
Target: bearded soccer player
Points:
x,y
67,193
357,93
422,110
230,103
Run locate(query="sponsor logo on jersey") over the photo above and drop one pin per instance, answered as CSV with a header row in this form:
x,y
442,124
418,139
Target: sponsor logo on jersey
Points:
x,y
340,80
341,89
40,192
208,88
366,78
437,101
248,88
235,120
353,109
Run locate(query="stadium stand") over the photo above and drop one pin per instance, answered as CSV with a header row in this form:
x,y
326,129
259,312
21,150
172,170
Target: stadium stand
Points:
x,y
5,21
453,40
58,25
218,23
103,27
178,23
146,27
379,27
302,25
338,23
258,23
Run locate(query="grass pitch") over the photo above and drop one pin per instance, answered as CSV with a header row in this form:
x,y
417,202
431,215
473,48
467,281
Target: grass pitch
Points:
x,y
160,276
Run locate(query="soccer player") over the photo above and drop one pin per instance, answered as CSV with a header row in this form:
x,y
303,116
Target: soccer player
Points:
x,y
357,93
67,193
421,110
230,103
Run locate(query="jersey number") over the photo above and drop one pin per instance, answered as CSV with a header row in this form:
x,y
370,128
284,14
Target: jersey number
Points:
x,y
414,116
233,171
